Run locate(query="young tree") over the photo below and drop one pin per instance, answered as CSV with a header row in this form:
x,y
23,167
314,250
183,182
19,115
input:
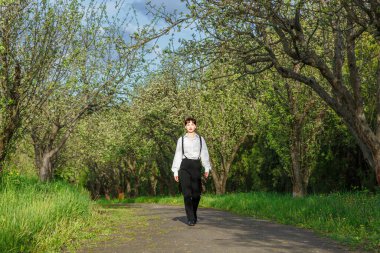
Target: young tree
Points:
x,y
226,113
91,155
34,39
294,119
157,111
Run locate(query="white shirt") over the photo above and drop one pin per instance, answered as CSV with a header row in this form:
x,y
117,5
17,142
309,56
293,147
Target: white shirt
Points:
x,y
191,151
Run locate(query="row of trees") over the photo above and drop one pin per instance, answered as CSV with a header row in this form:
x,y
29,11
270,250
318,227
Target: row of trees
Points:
x,y
59,61
256,128
275,86
136,140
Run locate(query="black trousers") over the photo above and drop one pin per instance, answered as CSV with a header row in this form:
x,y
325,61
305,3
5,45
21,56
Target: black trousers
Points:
x,y
190,178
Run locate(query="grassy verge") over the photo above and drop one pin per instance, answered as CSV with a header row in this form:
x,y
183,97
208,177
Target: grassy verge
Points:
x,y
111,226
351,218
39,217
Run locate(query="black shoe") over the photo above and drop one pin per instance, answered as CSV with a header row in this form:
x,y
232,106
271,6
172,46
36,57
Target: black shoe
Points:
x,y
195,221
191,223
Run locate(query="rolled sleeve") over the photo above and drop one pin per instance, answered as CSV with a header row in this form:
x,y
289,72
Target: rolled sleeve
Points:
x,y
205,158
177,158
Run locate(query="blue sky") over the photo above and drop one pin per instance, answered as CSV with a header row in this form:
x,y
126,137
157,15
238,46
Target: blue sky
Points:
x,y
144,18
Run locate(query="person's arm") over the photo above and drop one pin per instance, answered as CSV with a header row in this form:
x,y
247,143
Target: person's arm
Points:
x,y
177,159
205,158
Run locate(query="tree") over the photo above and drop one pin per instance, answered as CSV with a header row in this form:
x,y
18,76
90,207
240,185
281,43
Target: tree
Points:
x,y
320,36
91,155
97,62
157,109
293,122
33,42
226,115
136,138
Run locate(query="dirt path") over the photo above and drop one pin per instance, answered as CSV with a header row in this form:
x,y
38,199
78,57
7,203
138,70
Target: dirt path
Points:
x,y
217,231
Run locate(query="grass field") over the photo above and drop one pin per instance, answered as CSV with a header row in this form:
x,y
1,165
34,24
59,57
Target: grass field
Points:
x,y
40,217
351,218
46,217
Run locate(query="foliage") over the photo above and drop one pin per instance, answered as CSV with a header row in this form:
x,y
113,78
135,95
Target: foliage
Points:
x,y
293,126
227,114
97,62
258,168
320,45
340,157
117,134
68,76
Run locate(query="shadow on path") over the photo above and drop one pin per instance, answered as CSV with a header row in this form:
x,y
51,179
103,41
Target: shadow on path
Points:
x,y
216,231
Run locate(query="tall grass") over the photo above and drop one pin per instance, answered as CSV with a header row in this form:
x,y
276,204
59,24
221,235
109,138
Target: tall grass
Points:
x,y
39,217
352,218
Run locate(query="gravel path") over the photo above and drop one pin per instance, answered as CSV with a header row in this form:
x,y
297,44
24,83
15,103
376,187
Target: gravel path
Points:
x,y
216,231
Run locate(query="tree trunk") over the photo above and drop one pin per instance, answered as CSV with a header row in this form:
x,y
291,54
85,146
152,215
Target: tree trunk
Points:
x,y
45,165
128,189
47,147
126,180
219,189
136,186
153,184
220,179
219,183
161,187
368,142
377,167
299,184
298,174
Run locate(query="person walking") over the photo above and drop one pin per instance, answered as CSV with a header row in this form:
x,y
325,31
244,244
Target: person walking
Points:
x,y
190,155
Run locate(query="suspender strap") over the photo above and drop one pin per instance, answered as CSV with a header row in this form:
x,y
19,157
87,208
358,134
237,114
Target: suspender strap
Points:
x,y
200,150
183,149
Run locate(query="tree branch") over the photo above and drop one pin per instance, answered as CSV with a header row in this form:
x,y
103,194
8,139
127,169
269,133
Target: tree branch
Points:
x,y
378,98
354,75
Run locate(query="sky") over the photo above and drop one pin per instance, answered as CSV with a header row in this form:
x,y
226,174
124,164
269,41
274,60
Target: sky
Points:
x,y
144,18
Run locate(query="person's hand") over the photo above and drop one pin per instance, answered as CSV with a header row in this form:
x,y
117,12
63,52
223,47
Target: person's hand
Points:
x,y
176,179
206,175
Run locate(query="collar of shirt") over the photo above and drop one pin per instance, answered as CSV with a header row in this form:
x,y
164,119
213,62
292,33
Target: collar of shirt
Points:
x,y
191,138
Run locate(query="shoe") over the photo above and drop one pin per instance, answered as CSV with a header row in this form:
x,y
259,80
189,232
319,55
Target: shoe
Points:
x,y
191,223
195,221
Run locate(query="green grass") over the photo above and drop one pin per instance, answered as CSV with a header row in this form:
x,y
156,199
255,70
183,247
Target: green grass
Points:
x,y
44,217
112,226
40,217
351,218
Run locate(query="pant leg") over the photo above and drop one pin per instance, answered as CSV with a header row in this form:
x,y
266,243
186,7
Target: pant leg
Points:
x,y
185,178
195,201
189,208
196,185
185,181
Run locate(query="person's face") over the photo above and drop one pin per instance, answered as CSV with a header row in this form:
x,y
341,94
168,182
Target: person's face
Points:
x,y
190,127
